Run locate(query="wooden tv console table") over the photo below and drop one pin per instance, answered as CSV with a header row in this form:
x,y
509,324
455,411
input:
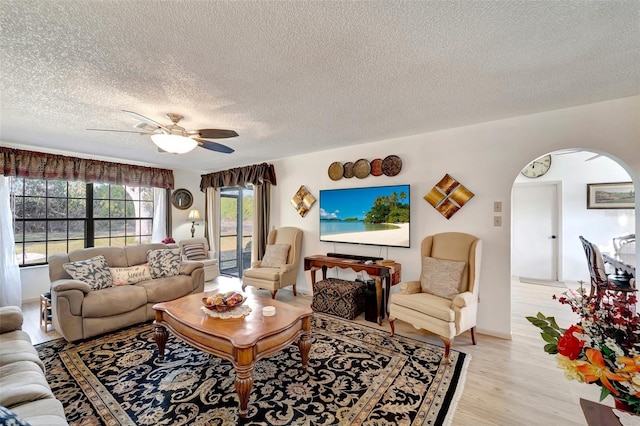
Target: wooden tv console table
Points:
x,y
389,274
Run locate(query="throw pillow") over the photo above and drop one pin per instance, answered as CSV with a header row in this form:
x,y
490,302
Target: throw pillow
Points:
x,y
275,256
441,277
194,251
93,271
9,418
130,275
164,262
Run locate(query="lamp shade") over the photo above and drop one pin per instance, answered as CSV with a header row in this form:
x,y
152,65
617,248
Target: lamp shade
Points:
x,y
174,144
194,215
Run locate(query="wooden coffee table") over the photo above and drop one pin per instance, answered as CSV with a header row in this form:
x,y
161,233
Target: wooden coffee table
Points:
x,y
243,341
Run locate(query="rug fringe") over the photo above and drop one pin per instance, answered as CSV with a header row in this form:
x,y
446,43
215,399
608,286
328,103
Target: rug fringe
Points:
x,y
458,394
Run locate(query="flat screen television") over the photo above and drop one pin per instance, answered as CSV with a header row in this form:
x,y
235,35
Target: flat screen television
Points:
x,y
377,215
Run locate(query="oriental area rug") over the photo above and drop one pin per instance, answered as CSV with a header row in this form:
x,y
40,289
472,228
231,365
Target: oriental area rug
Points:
x,y
357,375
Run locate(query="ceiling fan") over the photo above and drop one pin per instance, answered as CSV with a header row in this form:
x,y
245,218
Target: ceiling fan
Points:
x,y
176,139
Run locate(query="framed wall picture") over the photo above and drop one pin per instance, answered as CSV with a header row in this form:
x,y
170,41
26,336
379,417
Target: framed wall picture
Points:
x,y
616,195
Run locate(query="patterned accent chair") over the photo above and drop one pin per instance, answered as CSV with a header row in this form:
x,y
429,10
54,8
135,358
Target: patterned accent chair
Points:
x,y
198,249
445,299
277,269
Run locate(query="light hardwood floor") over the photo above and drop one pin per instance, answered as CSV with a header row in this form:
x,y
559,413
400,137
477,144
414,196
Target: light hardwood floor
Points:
x,y
509,382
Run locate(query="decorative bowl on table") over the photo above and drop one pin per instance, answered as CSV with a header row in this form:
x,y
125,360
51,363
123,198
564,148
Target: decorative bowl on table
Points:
x,y
223,302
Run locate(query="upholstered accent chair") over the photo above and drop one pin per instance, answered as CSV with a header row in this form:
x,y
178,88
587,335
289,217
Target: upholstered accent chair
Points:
x,y
198,249
279,266
445,299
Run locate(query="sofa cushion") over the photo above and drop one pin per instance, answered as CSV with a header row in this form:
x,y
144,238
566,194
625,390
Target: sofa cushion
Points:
x,y
22,382
16,346
194,251
93,271
43,412
113,301
164,262
137,254
275,256
8,417
441,277
169,288
130,275
11,319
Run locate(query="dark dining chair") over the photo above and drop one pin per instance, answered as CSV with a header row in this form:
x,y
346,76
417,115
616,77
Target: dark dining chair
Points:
x,y
599,279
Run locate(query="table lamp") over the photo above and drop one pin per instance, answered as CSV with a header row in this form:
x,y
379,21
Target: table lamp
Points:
x,y
194,215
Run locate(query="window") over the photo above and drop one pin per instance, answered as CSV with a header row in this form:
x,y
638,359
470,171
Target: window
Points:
x,y
54,216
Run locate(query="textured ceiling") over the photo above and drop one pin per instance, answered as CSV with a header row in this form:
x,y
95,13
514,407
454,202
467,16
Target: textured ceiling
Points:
x,y
296,77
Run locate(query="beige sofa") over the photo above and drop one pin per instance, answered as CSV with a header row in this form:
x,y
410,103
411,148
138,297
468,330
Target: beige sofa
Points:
x,y
79,312
23,387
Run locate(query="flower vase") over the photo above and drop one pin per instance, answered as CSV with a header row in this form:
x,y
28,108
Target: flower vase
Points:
x,y
622,405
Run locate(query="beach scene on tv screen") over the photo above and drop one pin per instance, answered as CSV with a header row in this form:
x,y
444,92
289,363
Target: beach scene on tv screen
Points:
x,y
373,215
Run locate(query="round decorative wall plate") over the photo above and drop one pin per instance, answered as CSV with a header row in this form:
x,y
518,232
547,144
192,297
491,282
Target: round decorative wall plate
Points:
x,y
348,170
181,199
376,167
391,165
362,168
335,171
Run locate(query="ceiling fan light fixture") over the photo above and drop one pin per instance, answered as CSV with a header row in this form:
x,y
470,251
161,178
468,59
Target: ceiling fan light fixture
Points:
x,y
174,144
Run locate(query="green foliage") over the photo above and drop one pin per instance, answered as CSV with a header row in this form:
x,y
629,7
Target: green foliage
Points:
x,y
389,209
551,332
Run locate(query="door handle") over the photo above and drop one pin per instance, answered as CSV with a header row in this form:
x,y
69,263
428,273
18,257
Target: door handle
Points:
x,y
553,237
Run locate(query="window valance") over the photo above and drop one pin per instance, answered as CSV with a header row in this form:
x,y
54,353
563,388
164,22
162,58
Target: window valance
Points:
x,y
39,165
256,174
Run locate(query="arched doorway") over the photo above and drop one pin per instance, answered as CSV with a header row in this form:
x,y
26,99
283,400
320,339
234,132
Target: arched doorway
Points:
x,y
570,173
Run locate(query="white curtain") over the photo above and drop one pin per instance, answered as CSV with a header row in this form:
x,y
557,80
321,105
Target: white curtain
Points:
x,y
212,217
10,285
159,231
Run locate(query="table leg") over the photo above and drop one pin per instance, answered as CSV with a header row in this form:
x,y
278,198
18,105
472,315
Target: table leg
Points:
x,y
378,298
324,272
161,335
243,384
386,295
304,343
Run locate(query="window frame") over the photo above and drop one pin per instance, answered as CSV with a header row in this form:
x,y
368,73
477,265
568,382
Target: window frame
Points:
x,y
89,237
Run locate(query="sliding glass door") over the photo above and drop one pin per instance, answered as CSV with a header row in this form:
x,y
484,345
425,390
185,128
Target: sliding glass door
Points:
x,y
236,230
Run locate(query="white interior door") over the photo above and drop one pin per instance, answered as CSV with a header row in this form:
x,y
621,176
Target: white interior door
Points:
x,y
534,233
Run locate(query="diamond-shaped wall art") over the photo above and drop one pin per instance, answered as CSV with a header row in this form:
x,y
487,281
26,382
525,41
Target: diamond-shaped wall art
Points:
x,y
448,196
302,201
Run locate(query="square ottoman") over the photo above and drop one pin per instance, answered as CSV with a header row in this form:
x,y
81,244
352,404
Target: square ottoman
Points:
x,y
338,297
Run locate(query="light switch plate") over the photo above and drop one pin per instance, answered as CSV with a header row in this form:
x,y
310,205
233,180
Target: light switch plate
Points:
x,y
497,221
497,206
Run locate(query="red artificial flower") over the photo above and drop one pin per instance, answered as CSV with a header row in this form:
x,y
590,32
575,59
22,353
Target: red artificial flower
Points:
x,y
569,345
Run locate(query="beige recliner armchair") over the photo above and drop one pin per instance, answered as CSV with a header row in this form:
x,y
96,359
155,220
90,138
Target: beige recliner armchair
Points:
x,y
445,300
279,265
198,249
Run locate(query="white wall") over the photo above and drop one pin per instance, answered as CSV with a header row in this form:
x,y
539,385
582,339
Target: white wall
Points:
x,y
181,227
597,226
486,158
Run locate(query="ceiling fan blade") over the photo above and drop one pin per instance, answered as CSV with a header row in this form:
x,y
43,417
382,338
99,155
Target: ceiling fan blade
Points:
x,y
122,131
214,146
214,133
144,119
